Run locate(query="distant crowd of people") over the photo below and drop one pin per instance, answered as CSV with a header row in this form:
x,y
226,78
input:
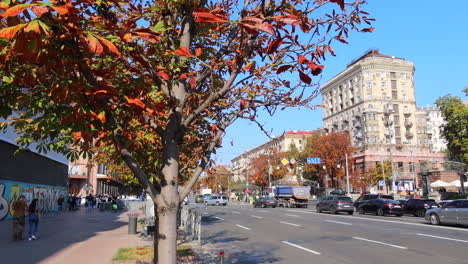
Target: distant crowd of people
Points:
x,y
90,201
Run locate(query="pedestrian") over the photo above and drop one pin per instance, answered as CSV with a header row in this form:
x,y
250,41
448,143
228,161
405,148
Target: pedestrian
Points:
x,y
19,213
33,219
60,203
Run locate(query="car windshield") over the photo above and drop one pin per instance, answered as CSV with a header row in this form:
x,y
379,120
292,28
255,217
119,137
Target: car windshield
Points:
x,y
269,198
224,197
387,197
344,198
391,201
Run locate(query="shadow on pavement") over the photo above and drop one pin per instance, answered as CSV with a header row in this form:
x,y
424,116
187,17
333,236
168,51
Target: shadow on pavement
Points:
x,y
56,231
253,255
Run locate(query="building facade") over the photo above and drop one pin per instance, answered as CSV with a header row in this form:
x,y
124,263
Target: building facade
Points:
x,y
435,121
241,164
374,100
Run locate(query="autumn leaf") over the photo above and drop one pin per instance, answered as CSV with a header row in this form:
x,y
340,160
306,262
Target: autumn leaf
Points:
x,y
163,75
198,52
109,45
304,77
128,37
316,69
249,66
273,45
135,102
208,17
367,29
94,45
242,104
214,128
301,59
283,69
40,10
102,117
10,32
147,35
63,10
15,10
341,39
77,135
289,19
183,52
265,27
341,3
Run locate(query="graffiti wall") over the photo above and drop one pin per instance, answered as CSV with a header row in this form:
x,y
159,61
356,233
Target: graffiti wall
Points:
x,y
10,191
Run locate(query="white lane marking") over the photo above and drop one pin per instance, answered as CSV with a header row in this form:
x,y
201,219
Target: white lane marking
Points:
x,y
303,248
256,216
386,221
446,238
264,211
378,242
287,223
243,227
292,215
235,212
338,222
219,218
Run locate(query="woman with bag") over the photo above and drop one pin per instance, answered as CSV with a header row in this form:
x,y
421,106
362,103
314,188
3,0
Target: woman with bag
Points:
x,y
33,218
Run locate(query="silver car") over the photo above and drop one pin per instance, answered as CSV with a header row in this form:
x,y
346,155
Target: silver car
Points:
x,y
455,212
217,200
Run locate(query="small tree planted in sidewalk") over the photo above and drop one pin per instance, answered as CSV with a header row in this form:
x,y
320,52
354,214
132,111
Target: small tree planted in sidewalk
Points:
x,y
156,83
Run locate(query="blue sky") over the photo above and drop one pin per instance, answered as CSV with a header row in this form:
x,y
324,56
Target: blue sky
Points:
x,y
432,34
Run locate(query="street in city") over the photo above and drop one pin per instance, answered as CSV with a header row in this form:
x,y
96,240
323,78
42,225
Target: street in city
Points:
x,y
283,235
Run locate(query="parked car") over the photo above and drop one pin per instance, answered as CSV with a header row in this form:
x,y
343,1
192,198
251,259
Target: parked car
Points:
x,y
455,212
418,207
199,198
402,202
217,200
265,202
335,204
366,197
442,203
381,207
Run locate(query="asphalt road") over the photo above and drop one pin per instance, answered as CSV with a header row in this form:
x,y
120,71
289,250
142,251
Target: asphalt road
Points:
x,y
296,236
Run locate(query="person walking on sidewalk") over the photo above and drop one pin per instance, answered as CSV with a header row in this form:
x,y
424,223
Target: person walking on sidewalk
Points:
x,y
60,203
33,219
19,213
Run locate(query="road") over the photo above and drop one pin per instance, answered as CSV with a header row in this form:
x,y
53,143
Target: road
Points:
x,y
283,235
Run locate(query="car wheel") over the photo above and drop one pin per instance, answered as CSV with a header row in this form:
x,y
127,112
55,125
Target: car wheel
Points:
x,y
318,210
399,215
225,204
217,203
350,212
305,206
274,206
254,206
333,210
420,213
380,212
361,211
264,206
434,219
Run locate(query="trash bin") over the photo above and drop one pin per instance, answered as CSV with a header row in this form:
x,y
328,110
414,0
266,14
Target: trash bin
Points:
x,y
132,223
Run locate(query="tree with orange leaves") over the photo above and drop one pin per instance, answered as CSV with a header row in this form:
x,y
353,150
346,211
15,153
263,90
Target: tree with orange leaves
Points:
x,y
158,82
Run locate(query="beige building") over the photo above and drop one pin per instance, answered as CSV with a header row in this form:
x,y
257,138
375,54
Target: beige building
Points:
x,y
242,163
374,100
435,121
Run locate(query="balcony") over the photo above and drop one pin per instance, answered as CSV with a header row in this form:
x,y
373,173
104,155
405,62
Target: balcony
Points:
x,y
358,135
409,134
406,112
408,122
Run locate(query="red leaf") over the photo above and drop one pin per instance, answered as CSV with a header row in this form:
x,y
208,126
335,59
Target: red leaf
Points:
x,y
15,10
148,35
192,82
341,39
302,59
63,10
273,45
290,19
214,128
128,37
304,77
316,69
163,75
198,52
183,52
367,29
208,17
10,32
283,69
341,3
109,45
136,102
40,10
94,45
77,135
242,104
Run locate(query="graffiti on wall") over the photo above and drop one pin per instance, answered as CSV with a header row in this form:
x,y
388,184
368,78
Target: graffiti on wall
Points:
x,y
11,191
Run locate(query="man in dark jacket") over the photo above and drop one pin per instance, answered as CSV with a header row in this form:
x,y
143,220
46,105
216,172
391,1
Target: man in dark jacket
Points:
x,y
19,212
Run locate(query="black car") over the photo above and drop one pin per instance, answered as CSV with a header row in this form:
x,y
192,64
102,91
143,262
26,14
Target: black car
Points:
x,y
265,202
418,207
366,197
381,207
335,204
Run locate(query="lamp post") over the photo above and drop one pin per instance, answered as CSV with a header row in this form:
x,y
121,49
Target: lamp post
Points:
x,y
347,174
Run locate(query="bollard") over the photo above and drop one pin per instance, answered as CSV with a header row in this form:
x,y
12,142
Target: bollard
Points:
x,y
132,223
221,256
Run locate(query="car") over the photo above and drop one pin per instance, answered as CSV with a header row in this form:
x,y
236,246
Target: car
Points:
x,y
418,207
217,200
366,197
199,198
335,204
265,201
455,212
442,203
381,207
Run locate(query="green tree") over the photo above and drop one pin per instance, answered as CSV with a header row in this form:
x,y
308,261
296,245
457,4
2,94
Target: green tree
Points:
x,y
455,130
376,174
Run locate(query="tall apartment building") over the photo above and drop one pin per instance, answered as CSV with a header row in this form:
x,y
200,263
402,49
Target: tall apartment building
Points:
x,y
435,121
242,163
374,100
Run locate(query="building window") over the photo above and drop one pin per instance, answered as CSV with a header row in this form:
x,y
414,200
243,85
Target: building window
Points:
x,y
400,165
369,95
384,85
369,85
382,74
102,169
393,75
403,75
411,166
403,86
370,106
367,74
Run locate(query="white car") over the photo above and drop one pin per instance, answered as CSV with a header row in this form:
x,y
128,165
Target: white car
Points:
x,y
217,200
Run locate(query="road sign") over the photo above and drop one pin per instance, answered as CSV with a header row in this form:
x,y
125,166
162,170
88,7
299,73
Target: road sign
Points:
x,y
381,183
313,160
284,161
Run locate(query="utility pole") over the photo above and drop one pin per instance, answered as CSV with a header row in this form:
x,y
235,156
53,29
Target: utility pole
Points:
x,y
388,124
347,174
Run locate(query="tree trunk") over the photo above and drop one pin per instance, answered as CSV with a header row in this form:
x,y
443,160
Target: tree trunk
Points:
x,y
156,234
167,244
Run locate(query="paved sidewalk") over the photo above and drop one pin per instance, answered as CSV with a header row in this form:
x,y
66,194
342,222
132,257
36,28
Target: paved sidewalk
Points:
x,y
84,236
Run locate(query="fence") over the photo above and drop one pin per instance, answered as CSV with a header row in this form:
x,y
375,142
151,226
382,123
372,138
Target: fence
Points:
x,y
190,223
